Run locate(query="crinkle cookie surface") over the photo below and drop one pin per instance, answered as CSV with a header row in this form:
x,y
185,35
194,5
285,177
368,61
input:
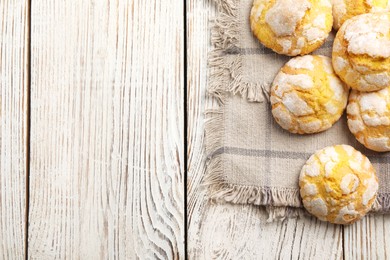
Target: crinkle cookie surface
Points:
x,y
307,96
346,9
361,52
338,184
291,27
369,118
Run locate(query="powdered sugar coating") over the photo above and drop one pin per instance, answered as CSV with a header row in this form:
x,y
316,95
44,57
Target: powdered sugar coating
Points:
x,y
369,118
305,62
344,187
346,9
364,36
349,183
282,20
371,190
310,189
291,27
361,52
307,96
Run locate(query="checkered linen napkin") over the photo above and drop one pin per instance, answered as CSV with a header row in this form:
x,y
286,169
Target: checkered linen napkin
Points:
x,y
251,160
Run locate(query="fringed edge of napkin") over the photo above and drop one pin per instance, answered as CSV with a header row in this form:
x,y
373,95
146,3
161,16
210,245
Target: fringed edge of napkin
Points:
x,y
281,203
285,212
226,74
225,79
382,204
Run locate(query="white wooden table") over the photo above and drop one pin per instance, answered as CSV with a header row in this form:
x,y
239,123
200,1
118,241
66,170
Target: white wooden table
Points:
x,y
101,142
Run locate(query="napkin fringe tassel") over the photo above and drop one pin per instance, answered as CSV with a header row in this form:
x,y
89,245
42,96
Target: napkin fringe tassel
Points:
x,y
225,72
283,213
222,191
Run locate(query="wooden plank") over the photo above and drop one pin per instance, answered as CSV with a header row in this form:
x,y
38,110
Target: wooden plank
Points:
x,y
198,45
13,126
107,123
241,232
368,238
236,231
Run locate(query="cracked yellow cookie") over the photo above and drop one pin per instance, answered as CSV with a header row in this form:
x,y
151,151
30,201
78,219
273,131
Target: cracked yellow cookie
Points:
x,y
338,184
369,118
361,52
346,9
307,96
291,27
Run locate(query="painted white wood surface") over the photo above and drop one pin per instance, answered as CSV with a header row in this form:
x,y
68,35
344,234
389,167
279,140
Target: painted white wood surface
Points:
x,y
13,126
107,124
107,151
241,232
368,239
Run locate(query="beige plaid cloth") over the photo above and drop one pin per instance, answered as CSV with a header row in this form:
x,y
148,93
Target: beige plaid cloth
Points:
x,y
251,160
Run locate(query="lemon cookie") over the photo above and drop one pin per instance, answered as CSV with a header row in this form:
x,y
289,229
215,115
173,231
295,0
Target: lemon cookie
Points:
x,y
369,118
338,184
291,27
307,96
361,52
346,9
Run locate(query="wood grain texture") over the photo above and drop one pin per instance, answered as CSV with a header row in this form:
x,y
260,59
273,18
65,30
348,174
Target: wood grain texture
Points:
x,y
368,238
241,232
236,231
199,14
107,150
13,126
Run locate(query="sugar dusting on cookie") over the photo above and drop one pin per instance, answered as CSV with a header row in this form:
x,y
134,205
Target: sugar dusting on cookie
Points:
x,y
344,187
307,96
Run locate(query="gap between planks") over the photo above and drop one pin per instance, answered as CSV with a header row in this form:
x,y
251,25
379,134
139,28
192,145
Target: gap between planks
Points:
x,y
185,139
